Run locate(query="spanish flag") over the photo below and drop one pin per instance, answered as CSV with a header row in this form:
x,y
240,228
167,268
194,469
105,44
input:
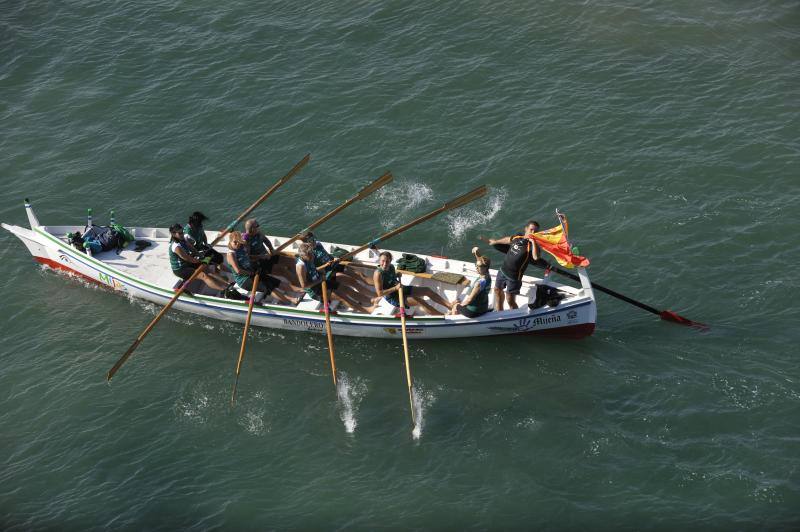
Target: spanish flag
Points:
x,y
555,242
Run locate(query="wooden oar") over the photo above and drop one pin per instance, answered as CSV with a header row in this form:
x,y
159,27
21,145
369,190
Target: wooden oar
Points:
x,y
450,205
666,315
328,330
244,333
363,193
405,353
202,267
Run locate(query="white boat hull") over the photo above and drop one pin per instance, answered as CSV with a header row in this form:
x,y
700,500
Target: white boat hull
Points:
x,y
575,317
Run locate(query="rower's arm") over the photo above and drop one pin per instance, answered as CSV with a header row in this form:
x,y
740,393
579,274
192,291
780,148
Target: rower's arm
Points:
x,y
467,300
300,270
185,256
376,280
235,264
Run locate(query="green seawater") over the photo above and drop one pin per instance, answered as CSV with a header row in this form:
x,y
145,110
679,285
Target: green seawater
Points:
x,y
667,131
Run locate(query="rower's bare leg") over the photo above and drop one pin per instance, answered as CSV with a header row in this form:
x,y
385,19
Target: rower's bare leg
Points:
x,y
512,301
429,309
354,283
348,297
212,281
280,297
426,291
498,299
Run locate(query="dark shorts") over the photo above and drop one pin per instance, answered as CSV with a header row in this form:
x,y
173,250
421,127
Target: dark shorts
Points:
x,y
265,284
186,271
265,265
464,311
394,297
511,286
315,293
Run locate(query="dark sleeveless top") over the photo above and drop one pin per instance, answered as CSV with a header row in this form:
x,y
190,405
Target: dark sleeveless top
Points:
x,y
517,258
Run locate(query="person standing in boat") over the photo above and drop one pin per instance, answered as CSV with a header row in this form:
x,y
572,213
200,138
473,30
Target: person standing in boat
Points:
x,y
244,273
509,277
183,260
310,280
387,283
347,277
262,254
476,302
196,234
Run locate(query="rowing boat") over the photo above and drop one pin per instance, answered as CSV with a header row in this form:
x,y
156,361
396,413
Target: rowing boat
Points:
x,y
146,275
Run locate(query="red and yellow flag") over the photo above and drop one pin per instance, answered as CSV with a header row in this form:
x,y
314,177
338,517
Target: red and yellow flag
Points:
x,y
555,242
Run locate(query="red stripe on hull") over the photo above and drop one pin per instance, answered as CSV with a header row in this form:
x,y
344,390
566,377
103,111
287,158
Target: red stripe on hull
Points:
x,y
574,332
58,266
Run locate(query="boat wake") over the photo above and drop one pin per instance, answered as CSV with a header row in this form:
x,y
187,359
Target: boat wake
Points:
x,y
464,219
351,393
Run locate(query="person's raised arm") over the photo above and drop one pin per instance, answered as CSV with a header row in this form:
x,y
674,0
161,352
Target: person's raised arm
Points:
x,y
504,240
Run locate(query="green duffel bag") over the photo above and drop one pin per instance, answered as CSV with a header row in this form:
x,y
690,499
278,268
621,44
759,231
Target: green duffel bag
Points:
x,y
411,263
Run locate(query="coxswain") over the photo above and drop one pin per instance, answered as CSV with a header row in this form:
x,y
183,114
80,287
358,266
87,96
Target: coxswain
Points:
x,y
310,280
183,260
476,302
509,277
387,283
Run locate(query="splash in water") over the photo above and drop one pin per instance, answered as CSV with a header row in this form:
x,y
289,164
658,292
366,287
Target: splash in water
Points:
x,y
394,202
350,393
464,219
422,400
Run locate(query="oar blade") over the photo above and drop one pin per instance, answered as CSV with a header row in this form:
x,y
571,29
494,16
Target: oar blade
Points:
x,y
296,168
466,198
382,181
668,315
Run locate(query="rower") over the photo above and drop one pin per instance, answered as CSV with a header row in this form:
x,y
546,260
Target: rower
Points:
x,y
387,283
244,274
509,276
321,256
196,234
183,260
476,302
261,251
310,279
